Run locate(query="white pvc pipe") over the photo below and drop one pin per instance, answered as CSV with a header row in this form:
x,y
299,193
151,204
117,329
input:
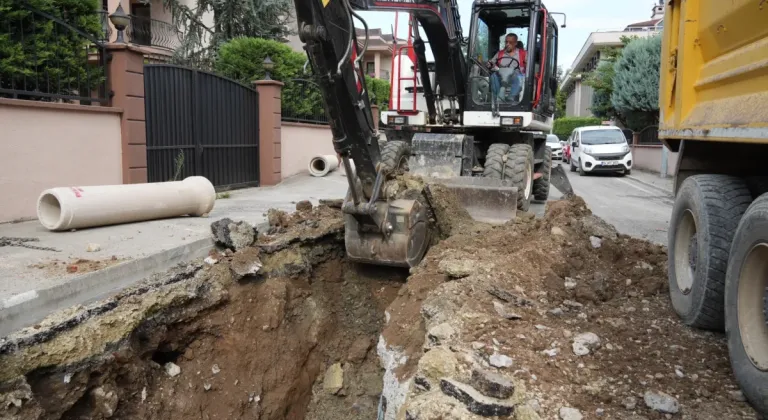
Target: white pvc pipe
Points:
x,y
79,207
323,164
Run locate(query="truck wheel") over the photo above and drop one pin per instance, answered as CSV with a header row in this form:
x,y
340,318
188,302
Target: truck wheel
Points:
x,y
541,185
704,219
494,161
519,169
394,157
746,305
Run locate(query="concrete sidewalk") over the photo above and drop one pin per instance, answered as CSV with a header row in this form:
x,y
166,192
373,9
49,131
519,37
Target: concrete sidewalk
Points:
x,y
37,282
653,180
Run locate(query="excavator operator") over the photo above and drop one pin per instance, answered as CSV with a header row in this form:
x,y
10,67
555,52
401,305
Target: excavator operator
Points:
x,y
508,69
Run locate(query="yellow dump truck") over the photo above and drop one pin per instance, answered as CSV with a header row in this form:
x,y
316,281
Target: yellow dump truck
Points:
x,y
714,112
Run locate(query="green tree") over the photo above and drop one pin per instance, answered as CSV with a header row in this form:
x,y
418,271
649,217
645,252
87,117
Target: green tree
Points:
x,y
560,98
39,54
378,91
636,83
601,81
267,19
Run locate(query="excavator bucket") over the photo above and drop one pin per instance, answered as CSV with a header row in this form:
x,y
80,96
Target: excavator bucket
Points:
x,y
559,180
439,158
485,199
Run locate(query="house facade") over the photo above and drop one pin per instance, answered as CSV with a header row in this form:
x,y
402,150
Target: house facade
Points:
x,y
579,95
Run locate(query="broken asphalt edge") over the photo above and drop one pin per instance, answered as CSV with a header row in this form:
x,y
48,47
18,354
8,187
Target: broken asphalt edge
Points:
x,y
25,309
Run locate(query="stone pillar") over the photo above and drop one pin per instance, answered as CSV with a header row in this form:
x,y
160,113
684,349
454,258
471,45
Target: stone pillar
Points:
x,y
376,115
635,138
126,72
269,131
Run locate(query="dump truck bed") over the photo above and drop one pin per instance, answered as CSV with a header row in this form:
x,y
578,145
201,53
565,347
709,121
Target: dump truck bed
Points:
x,y
714,74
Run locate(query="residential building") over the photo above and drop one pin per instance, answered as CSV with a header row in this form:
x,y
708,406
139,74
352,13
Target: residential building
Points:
x,y
151,26
579,94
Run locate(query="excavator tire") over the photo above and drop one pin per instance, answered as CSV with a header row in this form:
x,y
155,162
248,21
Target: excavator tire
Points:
x,y
541,185
519,169
394,157
494,161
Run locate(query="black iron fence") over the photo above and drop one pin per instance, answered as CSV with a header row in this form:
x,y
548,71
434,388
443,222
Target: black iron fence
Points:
x,y
153,33
302,102
52,55
649,136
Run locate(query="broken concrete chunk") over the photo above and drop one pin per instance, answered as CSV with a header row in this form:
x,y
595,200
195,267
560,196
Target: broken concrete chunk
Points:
x,y
245,263
557,231
500,360
568,413
172,369
584,343
334,379
492,384
215,369
504,312
661,402
524,412
474,401
440,334
438,363
304,205
104,401
595,226
596,242
457,268
233,235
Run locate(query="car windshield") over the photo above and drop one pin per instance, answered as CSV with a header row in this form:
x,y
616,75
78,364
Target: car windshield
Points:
x,y
602,137
553,140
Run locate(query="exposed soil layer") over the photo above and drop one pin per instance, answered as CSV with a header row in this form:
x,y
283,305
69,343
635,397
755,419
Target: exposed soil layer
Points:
x,y
198,343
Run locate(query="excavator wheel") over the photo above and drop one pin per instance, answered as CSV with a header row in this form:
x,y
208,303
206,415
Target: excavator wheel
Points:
x,y
513,163
394,157
541,185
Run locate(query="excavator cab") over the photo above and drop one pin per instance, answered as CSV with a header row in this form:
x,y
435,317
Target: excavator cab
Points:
x,y
512,58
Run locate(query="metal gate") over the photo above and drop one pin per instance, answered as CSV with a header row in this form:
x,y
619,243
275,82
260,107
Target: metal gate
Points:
x,y
200,124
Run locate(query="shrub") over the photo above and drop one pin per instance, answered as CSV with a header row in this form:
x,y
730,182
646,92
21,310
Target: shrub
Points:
x,y
378,91
636,82
35,49
564,126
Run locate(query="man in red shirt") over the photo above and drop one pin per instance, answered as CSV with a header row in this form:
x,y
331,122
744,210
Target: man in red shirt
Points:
x,y
509,69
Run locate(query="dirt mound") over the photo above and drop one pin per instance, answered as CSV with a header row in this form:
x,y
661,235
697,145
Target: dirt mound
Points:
x,y
562,306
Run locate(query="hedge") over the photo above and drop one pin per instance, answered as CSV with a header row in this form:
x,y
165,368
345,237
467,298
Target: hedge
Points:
x,y
564,126
47,51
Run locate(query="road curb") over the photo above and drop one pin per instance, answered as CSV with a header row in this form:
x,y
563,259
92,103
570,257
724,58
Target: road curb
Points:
x,y
651,185
25,309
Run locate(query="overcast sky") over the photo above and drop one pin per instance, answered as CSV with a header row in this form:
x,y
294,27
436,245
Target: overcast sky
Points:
x,y
584,17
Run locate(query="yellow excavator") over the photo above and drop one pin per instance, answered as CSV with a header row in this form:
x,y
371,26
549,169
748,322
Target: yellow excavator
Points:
x,y
714,116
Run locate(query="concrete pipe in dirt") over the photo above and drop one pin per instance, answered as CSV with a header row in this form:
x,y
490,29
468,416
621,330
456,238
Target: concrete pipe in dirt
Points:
x,y
322,165
80,207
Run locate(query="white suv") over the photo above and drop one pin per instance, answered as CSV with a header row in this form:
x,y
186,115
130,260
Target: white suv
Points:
x,y
600,149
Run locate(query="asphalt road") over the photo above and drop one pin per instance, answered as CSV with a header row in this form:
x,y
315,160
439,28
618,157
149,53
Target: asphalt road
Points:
x,y
634,208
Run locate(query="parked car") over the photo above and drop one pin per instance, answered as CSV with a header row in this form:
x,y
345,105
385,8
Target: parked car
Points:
x,y
553,142
600,149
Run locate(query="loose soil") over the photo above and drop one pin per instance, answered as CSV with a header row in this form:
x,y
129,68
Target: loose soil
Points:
x,y
311,335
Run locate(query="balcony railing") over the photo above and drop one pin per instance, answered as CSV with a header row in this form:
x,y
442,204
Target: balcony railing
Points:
x,y
153,33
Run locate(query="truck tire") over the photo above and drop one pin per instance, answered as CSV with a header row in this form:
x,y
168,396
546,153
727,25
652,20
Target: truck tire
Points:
x,y
494,161
746,305
394,157
519,169
704,219
541,185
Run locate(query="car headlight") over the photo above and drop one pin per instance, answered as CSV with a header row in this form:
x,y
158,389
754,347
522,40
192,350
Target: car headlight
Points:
x,y
625,149
587,150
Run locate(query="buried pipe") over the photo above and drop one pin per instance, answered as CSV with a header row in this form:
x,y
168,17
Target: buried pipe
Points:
x,y
323,164
80,207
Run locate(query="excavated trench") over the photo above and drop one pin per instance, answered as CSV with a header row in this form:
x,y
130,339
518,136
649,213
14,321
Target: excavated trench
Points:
x,y
297,340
